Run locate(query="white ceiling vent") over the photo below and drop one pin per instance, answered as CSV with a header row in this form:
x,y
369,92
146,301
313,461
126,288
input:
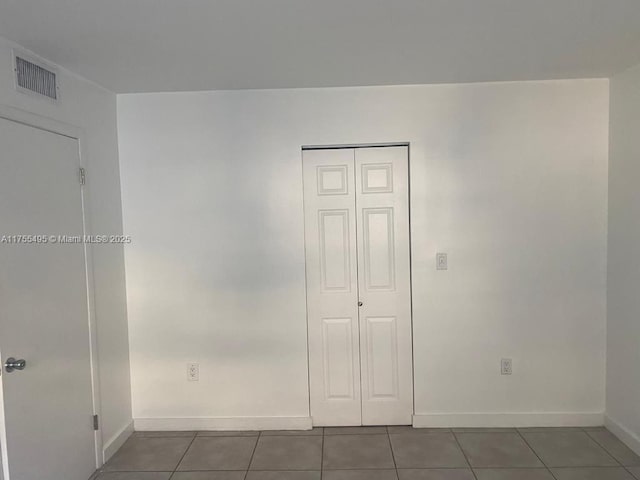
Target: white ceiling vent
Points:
x,y
35,77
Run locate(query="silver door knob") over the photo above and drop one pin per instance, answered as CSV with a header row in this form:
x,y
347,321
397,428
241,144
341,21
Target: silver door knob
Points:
x,y
12,364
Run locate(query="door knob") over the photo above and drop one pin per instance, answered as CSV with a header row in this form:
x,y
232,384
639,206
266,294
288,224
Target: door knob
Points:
x,y
12,364
360,304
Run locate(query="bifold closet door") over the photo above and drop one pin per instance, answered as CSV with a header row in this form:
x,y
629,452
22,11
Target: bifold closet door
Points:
x,y
332,288
358,285
382,205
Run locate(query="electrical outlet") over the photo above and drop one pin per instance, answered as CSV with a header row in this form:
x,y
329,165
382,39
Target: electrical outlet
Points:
x,y
441,261
506,366
193,372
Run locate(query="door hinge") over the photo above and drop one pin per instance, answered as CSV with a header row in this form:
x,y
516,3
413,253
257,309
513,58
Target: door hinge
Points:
x,y
96,422
83,176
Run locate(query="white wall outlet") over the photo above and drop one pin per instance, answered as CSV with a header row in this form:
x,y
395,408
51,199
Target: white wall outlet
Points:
x,y
506,366
441,261
193,372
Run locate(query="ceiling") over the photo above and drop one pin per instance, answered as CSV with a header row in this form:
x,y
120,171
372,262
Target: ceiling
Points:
x,y
169,45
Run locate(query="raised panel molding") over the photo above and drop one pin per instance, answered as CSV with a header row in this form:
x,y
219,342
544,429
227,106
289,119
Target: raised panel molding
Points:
x,y
332,180
335,262
377,178
379,256
337,353
382,357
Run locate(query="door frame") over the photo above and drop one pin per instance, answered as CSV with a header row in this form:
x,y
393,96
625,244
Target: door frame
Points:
x,y
77,133
413,349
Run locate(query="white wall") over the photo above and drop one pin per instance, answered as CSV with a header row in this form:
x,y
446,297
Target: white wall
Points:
x,y
623,299
509,178
92,108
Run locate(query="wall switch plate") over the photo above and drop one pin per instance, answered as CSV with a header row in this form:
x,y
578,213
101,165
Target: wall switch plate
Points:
x,y
193,372
441,261
506,366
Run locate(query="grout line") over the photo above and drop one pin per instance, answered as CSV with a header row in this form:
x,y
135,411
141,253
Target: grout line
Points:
x,y
322,455
606,449
455,437
255,447
535,453
630,472
182,457
393,455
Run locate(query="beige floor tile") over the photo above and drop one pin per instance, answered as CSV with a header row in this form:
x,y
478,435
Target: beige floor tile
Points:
x,y
151,454
435,450
347,452
568,449
219,453
597,473
496,450
288,453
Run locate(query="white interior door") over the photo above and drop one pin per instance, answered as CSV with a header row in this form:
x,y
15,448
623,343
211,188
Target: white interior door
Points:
x,y
358,285
332,286
46,429
382,201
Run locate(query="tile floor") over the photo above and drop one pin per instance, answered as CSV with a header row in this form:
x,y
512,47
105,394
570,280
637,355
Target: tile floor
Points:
x,y
376,453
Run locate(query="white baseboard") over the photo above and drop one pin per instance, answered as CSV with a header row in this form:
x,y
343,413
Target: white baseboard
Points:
x,y
112,445
623,433
505,420
223,423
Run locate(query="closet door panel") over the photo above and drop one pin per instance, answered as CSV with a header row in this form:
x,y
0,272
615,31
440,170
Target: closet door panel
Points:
x,y
332,289
382,217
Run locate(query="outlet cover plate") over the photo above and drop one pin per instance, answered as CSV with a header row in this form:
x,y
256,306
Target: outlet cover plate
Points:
x,y
506,366
193,372
441,261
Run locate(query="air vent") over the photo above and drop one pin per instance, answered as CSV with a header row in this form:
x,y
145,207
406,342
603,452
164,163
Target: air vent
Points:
x,y
33,77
